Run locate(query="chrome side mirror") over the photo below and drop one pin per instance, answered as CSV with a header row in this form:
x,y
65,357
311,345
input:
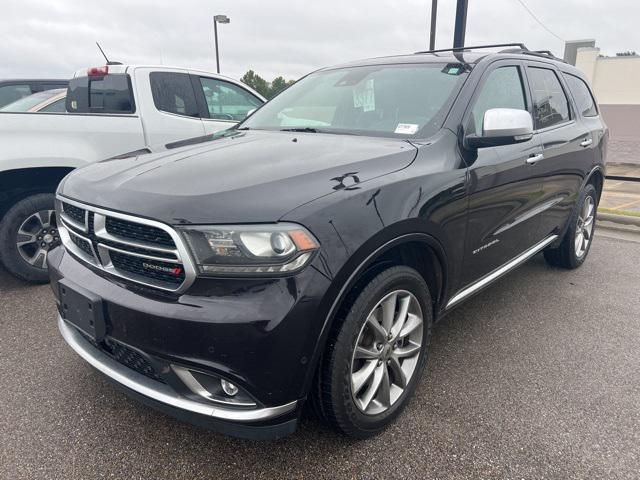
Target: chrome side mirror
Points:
x,y
503,126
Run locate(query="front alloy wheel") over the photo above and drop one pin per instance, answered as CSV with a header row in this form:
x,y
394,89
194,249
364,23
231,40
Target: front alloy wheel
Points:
x,y
376,351
28,232
36,236
386,353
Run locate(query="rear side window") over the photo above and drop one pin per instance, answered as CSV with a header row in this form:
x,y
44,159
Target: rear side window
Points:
x,y
11,93
107,94
581,93
550,104
173,93
226,101
502,89
55,107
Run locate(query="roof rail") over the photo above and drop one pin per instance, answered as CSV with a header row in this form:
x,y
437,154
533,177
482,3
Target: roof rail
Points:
x,y
520,48
535,53
475,47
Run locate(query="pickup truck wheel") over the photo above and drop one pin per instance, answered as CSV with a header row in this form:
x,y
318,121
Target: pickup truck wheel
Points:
x,y
28,232
575,245
374,360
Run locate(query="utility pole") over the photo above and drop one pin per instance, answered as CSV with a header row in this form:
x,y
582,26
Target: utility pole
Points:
x,y
432,34
461,23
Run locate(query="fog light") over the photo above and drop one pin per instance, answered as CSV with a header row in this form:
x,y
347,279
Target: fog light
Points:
x,y
228,388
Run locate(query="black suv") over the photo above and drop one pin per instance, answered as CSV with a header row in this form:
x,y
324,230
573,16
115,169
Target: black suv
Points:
x,y
304,255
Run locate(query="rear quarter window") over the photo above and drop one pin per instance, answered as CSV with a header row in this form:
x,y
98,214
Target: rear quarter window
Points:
x,y
585,102
107,94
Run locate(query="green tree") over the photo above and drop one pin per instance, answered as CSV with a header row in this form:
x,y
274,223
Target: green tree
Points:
x,y
264,88
256,82
279,84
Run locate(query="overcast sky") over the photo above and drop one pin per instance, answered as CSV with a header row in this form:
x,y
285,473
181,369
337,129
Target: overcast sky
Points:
x,y
54,38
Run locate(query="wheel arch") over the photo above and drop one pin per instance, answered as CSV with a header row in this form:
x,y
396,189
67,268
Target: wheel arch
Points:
x,y
596,177
411,246
19,183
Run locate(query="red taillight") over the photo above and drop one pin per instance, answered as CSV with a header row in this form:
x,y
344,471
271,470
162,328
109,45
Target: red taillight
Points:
x,y
97,71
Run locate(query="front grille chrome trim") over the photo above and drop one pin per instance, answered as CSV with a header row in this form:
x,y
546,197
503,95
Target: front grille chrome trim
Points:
x,y
157,391
99,225
65,237
181,252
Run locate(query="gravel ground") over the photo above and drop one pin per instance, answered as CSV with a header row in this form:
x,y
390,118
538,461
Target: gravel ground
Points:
x,y
536,378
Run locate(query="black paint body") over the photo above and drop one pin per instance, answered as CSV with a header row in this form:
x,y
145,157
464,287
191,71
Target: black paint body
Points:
x,y
359,196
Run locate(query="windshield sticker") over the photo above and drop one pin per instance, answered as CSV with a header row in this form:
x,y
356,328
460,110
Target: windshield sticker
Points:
x,y
364,96
407,128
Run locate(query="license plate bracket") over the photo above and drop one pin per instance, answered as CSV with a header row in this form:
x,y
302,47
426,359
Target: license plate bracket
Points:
x,y
82,308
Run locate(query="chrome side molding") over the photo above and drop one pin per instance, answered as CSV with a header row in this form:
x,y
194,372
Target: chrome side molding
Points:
x,y
499,272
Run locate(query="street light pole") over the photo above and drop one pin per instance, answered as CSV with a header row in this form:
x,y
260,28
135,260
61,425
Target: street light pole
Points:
x,y
432,34
216,20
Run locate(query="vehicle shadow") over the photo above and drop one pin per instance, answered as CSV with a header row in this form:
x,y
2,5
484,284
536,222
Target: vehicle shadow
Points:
x,y
8,282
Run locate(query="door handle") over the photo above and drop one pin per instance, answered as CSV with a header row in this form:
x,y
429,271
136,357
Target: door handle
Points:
x,y
535,158
587,142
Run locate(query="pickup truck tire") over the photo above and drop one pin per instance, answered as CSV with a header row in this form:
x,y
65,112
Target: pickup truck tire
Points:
x,y
577,240
375,357
27,232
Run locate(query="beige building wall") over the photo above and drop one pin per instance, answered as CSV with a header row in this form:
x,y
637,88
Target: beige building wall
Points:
x,y
616,85
615,80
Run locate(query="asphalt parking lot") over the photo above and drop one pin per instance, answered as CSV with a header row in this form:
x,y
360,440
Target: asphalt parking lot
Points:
x,y
537,377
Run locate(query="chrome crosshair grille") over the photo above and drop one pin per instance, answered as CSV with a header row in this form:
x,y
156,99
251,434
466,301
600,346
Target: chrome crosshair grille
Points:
x,y
140,250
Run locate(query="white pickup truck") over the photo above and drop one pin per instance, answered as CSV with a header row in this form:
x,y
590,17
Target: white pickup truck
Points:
x,y
111,111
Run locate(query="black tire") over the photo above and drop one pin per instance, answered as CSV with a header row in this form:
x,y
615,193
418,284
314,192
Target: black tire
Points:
x,y
565,255
332,398
10,254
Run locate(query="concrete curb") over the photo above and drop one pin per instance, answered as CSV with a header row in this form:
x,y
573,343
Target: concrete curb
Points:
x,y
621,219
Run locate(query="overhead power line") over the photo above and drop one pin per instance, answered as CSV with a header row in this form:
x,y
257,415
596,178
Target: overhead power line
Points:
x,y
538,20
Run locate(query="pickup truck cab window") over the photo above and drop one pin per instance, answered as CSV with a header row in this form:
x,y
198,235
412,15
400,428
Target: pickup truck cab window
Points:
x,y
110,93
550,104
226,101
173,93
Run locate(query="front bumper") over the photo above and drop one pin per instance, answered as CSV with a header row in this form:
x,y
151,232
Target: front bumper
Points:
x,y
164,398
259,335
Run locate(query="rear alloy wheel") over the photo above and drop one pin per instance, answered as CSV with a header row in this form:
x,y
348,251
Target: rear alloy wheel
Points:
x,y
584,227
577,240
375,354
28,232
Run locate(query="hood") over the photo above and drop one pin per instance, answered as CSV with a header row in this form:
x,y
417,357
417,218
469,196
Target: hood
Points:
x,y
249,177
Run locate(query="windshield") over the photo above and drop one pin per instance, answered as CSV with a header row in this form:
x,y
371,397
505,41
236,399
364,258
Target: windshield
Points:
x,y
401,101
25,103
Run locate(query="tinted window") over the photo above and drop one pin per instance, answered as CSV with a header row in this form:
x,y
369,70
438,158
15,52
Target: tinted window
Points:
x,y
401,101
55,107
173,93
11,93
550,105
107,94
27,103
227,101
502,89
582,95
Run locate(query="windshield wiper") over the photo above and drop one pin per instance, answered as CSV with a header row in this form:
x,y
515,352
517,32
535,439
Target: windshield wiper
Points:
x,y
300,129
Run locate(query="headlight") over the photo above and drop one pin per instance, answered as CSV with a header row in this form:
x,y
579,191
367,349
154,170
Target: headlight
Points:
x,y
250,249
